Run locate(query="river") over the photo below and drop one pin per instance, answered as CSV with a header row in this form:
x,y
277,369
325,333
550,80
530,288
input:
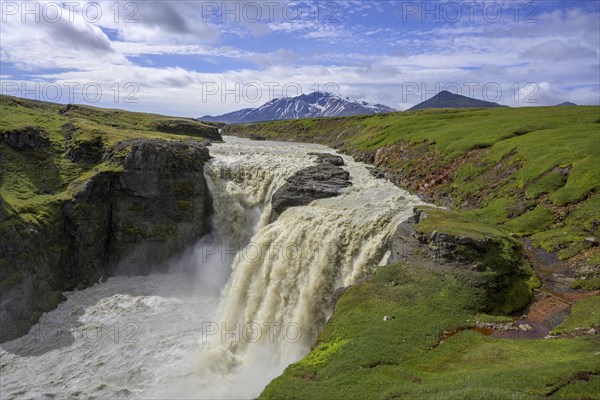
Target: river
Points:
x,y
234,310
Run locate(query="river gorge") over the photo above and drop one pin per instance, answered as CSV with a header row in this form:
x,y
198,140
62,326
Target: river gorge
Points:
x,y
232,311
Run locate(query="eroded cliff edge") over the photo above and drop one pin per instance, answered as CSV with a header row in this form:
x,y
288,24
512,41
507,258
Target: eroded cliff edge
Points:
x,y
133,198
151,204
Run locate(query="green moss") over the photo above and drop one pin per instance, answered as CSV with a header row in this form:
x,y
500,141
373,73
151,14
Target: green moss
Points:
x,y
587,284
162,231
12,279
565,240
594,260
137,207
586,217
536,220
183,206
321,355
401,357
134,231
495,212
584,315
546,184
184,188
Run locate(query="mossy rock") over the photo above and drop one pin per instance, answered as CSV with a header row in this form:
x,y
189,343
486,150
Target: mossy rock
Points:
x,y
86,150
494,259
26,137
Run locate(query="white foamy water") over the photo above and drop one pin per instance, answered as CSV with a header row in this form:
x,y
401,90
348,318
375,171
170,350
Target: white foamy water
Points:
x,y
235,310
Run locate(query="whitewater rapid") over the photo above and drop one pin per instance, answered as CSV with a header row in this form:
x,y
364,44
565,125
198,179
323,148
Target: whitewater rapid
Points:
x,y
234,310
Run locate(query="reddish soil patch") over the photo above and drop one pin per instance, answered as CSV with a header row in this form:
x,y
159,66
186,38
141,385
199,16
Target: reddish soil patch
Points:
x,y
484,331
551,303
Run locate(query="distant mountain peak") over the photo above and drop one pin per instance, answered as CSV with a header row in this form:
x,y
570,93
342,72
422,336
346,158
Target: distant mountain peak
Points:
x,y
312,105
566,104
446,99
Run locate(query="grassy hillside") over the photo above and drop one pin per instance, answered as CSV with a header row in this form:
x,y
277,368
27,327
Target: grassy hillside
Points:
x,y
427,348
34,182
530,171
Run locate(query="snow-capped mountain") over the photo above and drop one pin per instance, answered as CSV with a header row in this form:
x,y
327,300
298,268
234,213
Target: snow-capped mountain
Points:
x,y
313,105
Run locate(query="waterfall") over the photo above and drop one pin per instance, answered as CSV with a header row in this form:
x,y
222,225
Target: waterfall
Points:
x,y
284,274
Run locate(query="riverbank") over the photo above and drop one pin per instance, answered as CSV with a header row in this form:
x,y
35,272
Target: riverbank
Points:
x,y
490,168
441,322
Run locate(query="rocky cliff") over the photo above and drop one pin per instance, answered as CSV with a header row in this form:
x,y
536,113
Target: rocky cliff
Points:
x,y
87,192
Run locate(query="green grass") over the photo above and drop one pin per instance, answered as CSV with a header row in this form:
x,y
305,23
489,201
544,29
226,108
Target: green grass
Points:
x,y
592,283
456,224
524,168
584,315
536,220
358,355
34,183
528,172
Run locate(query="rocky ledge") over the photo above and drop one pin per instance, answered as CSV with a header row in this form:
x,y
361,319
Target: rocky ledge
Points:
x,y
147,201
189,128
491,261
323,180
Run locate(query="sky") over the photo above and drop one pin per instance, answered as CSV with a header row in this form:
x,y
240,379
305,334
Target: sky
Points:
x,y
210,57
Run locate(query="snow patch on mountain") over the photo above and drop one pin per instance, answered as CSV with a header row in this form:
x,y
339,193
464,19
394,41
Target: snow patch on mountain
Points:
x,y
313,105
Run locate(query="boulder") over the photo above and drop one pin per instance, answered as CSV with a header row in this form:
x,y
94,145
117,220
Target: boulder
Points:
x,y
328,158
316,182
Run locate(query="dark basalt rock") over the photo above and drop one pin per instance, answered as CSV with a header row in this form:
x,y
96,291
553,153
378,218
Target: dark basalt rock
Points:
x,y
26,137
192,127
82,149
128,219
257,137
494,265
328,158
86,151
316,182
67,108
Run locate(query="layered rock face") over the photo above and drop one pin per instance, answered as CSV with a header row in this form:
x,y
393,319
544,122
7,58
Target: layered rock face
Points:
x,y
127,219
323,180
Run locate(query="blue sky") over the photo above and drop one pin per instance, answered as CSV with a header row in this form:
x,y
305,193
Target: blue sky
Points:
x,y
209,57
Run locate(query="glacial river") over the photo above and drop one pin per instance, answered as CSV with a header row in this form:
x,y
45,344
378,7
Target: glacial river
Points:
x,y
234,310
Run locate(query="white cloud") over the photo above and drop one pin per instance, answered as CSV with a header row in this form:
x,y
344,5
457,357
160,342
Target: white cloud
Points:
x,y
558,54
556,50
